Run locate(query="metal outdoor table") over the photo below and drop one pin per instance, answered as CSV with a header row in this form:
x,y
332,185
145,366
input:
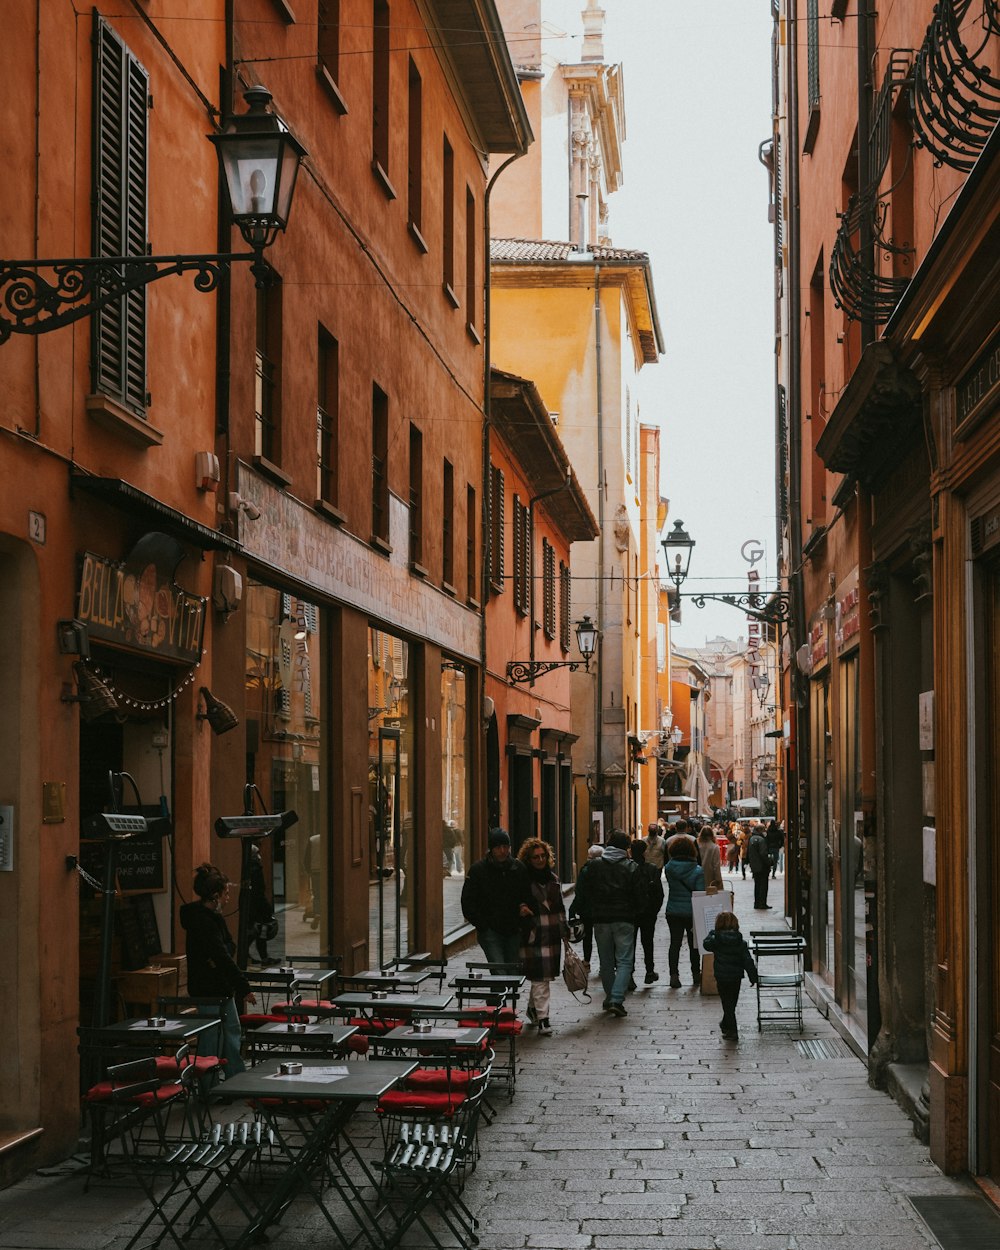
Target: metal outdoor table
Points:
x,y
139,1032
321,1035
394,1003
442,1037
337,1090
313,978
375,976
488,984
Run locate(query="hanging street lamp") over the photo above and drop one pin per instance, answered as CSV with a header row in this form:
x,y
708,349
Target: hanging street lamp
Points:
x,y
259,158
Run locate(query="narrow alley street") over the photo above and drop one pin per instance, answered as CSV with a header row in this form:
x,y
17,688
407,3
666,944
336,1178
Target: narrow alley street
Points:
x,y
647,1131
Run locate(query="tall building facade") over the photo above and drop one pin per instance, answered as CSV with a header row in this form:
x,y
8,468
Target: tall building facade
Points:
x,y
884,164
579,317
241,530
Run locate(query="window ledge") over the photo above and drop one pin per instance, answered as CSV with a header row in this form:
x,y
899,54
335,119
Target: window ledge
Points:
x,y
417,237
473,333
496,587
380,545
449,589
121,420
417,569
333,91
269,469
449,294
472,602
286,11
327,509
382,178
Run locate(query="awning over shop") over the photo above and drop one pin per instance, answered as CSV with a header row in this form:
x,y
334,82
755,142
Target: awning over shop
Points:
x,y
747,805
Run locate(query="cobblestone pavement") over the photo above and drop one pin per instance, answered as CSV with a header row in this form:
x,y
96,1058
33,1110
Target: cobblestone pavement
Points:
x,y
647,1131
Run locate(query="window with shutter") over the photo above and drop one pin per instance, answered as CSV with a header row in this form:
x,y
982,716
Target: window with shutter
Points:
x,y
518,554
565,606
121,102
548,588
522,557
497,520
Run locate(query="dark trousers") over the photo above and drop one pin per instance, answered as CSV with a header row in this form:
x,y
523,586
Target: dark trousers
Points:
x,y
588,940
681,926
644,933
729,993
760,888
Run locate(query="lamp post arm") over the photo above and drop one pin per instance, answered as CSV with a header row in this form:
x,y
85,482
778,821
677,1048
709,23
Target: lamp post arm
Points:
x,y
76,288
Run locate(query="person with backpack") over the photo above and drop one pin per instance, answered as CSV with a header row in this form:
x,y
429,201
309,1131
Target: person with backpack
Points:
x,y
732,960
610,892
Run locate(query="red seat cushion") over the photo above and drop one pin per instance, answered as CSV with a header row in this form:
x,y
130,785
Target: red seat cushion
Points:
x,y
249,1019
165,1093
381,1024
439,1079
287,1009
509,1028
357,1043
413,1102
204,1065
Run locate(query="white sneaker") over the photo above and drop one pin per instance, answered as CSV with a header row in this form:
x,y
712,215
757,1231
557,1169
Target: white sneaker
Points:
x,y
544,1028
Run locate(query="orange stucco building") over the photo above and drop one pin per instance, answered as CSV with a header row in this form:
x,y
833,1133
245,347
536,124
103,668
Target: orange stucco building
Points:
x,y
884,195
274,492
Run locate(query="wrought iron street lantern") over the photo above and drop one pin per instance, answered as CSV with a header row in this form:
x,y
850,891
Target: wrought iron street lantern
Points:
x,y
679,544
587,635
770,606
259,158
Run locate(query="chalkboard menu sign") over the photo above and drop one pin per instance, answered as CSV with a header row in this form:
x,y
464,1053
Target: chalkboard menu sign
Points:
x,y
140,865
139,932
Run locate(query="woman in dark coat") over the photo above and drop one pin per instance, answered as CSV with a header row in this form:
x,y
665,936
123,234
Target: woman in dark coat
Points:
x,y
212,970
543,929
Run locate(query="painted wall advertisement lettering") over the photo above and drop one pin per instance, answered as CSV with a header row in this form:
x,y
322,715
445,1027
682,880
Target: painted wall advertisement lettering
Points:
x,y
980,383
291,538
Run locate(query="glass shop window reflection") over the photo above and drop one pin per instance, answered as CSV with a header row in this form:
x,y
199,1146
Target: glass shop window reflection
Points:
x,y
286,744
392,855
454,790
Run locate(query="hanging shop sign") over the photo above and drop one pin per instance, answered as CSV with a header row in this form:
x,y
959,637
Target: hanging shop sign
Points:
x,y
138,606
847,629
978,387
753,552
819,643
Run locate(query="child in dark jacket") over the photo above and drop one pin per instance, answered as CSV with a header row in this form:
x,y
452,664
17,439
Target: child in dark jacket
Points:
x,y
732,959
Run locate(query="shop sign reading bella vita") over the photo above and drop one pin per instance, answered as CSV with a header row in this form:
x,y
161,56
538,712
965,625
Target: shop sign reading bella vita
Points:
x,y
137,604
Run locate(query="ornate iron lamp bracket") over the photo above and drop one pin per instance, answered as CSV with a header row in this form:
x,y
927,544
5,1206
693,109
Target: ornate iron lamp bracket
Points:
x,y
528,670
74,289
773,607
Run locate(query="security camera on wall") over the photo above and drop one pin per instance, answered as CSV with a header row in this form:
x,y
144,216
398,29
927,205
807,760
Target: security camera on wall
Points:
x,y
227,591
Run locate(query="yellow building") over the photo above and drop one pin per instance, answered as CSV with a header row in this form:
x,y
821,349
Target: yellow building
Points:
x,y
579,317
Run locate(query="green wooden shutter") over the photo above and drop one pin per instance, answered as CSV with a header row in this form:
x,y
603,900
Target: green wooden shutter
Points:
x,y
121,104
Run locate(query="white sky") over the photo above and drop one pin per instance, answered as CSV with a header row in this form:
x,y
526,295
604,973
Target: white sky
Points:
x,y
694,195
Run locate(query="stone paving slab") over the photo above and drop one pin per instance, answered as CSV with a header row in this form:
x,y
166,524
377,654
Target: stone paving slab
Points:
x,y
642,1133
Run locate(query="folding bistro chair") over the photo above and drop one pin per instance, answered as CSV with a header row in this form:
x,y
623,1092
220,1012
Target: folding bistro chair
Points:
x,y
131,1098
499,1012
200,1173
426,1164
779,994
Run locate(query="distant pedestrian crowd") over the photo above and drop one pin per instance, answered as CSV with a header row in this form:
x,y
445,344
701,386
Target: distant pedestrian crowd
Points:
x,y
516,905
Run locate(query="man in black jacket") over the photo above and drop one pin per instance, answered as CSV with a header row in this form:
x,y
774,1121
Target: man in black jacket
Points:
x,y
610,891
760,867
495,889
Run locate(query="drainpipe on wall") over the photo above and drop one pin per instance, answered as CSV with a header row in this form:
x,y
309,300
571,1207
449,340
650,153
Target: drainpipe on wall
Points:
x,y
599,683
487,422
798,802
